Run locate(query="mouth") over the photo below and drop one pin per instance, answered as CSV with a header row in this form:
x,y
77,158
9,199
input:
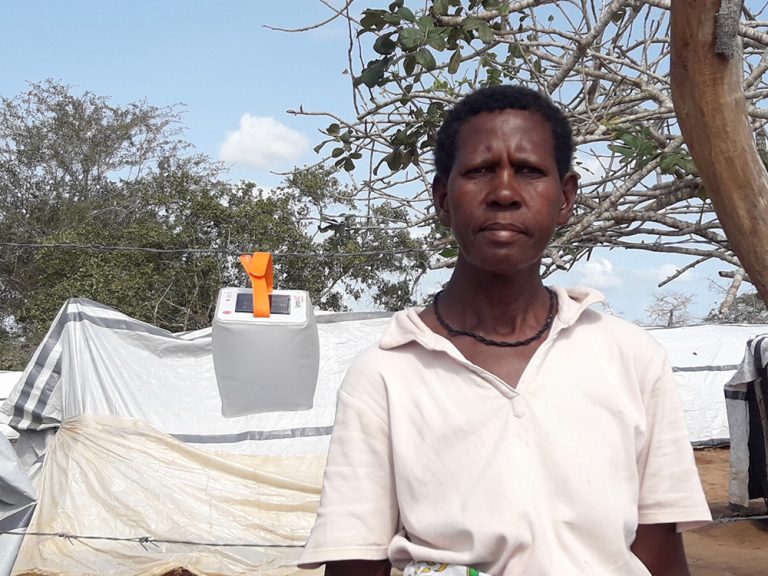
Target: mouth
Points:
x,y
503,228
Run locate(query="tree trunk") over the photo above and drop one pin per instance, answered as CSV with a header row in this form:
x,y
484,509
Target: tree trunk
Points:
x,y
711,109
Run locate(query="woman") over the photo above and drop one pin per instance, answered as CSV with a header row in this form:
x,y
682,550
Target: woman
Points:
x,y
507,428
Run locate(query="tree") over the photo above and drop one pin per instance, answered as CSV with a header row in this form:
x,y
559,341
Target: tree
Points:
x,y
607,63
746,308
710,105
670,309
108,202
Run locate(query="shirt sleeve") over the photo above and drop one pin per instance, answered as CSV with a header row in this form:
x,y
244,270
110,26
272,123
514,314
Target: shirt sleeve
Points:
x,y
358,513
670,488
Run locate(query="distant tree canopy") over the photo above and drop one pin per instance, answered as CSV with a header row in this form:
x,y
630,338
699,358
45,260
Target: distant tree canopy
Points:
x,y
132,217
671,309
746,309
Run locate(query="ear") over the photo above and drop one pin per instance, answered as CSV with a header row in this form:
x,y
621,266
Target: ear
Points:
x,y
439,199
570,186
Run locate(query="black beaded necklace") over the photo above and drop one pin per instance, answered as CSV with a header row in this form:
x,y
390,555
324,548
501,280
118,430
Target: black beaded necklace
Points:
x,y
487,341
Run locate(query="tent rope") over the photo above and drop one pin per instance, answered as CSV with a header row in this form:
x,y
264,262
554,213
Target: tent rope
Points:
x,y
144,541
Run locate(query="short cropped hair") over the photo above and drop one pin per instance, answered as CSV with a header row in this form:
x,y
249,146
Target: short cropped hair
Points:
x,y
498,98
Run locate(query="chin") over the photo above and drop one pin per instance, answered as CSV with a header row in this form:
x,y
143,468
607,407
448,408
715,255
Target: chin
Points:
x,y
507,267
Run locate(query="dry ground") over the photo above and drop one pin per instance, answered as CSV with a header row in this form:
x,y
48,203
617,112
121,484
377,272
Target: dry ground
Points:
x,y
726,549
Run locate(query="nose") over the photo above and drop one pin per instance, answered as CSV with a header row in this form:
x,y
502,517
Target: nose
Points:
x,y
504,191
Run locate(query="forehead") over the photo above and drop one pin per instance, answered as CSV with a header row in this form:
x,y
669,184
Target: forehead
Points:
x,y
519,128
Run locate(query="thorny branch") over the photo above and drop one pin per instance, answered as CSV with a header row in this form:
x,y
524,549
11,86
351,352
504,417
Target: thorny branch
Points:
x,y
606,63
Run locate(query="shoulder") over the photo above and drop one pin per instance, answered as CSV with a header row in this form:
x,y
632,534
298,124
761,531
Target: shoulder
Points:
x,y
393,359
582,320
607,339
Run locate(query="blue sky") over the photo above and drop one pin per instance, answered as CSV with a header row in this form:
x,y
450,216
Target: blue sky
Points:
x,y
214,57
236,80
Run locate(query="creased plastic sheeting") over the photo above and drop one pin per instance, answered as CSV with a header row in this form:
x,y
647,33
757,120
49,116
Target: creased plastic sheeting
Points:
x,y
704,358
739,421
17,496
95,360
110,477
8,381
16,491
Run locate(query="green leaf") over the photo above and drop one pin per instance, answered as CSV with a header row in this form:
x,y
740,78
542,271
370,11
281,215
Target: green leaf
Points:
x,y
425,23
440,7
454,62
396,5
399,138
472,23
372,20
485,33
435,109
449,253
395,159
492,4
667,164
410,38
516,50
384,45
426,59
436,38
333,129
336,152
349,165
373,74
409,64
406,14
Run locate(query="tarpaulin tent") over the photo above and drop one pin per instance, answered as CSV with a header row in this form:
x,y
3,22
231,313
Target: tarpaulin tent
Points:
x,y
143,474
138,473
704,358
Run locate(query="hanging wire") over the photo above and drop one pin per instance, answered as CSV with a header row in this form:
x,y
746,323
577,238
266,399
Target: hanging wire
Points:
x,y
224,251
148,540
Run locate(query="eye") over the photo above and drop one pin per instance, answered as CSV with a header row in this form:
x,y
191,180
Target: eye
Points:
x,y
530,171
478,171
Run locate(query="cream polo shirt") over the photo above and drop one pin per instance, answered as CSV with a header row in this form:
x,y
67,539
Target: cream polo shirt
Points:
x,y
435,459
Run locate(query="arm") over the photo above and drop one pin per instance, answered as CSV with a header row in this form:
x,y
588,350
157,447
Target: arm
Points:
x,y
358,568
660,548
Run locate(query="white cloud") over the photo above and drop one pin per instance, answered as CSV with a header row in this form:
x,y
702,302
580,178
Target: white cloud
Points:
x,y
263,142
598,273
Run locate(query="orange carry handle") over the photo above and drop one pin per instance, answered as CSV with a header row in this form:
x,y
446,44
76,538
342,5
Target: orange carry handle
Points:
x,y
259,268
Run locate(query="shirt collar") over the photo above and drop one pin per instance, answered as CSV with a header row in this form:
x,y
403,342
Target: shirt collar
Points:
x,y
407,326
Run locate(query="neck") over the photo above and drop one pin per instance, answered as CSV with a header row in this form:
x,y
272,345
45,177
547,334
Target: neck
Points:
x,y
495,305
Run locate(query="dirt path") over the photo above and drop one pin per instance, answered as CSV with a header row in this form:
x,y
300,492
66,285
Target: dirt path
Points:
x,y
731,549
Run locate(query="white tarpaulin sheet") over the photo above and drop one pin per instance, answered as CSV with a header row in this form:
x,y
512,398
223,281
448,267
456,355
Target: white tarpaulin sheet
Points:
x,y
17,497
95,360
118,497
704,358
8,381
